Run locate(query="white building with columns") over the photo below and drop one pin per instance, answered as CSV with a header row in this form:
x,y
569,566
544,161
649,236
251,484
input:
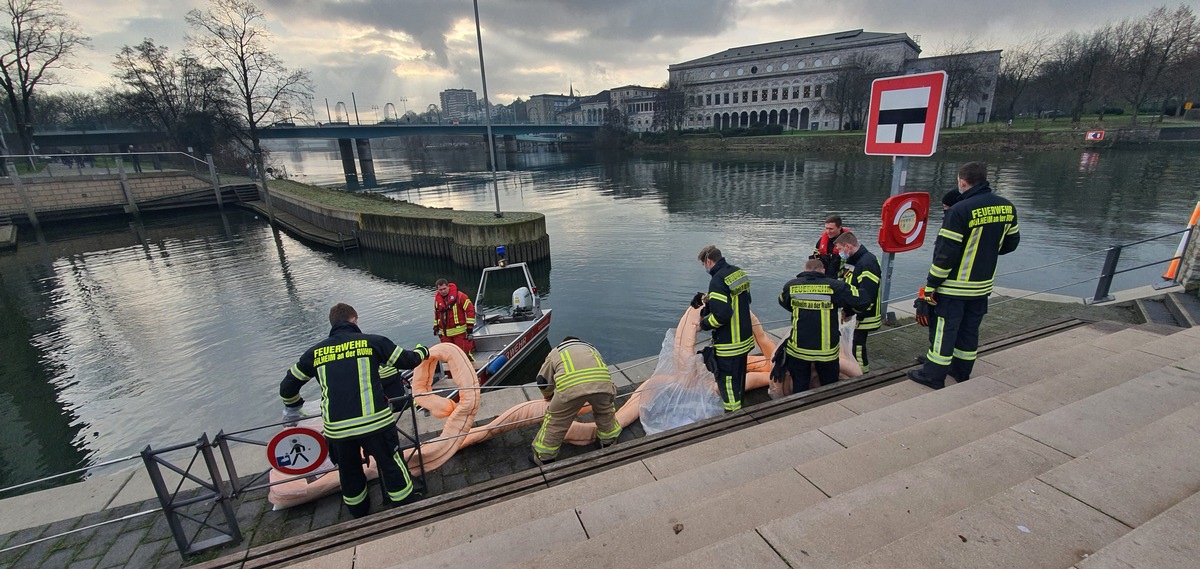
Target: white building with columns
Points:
x,y
785,82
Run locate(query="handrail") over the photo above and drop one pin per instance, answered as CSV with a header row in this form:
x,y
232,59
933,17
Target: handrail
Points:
x,y
1109,269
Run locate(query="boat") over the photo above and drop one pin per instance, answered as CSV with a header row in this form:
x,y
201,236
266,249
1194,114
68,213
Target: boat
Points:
x,y
505,337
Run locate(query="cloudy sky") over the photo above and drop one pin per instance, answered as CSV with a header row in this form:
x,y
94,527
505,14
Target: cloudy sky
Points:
x,y
388,50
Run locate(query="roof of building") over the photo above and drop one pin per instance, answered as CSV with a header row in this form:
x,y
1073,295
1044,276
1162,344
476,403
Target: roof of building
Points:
x,y
798,45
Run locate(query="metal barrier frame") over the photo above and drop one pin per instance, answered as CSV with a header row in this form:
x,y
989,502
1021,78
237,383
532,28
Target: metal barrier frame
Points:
x,y
172,504
221,494
1109,270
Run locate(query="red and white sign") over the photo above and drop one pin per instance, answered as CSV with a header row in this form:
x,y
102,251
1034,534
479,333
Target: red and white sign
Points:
x,y
905,218
1094,135
906,114
297,451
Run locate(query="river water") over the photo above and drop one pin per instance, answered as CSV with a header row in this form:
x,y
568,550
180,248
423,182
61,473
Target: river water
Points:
x,y
120,334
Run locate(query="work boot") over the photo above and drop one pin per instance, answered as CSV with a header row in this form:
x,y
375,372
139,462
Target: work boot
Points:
x,y
605,443
919,377
539,461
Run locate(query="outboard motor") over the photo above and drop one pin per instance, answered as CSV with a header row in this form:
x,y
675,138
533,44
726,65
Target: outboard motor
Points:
x,y
522,304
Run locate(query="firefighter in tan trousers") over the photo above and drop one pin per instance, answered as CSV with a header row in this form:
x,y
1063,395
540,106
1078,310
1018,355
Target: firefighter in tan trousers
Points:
x,y
573,375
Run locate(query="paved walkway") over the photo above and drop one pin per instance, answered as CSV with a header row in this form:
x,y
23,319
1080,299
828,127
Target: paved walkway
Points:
x,y
145,541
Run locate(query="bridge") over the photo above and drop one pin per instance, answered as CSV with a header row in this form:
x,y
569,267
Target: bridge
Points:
x,y
382,130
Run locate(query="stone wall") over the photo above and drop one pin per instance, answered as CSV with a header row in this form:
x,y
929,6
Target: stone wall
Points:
x,y
471,244
62,195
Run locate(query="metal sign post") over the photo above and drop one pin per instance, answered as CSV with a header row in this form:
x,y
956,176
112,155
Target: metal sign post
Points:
x,y
904,120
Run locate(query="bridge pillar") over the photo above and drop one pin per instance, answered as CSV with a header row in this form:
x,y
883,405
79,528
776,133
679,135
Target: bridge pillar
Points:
x,y
510,144
347,150
366,162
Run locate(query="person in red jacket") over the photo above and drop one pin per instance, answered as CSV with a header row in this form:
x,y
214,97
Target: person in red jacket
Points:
x,y
453,316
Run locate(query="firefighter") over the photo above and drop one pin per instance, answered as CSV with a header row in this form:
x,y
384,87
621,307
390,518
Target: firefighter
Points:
x,y
814,300
977,229
357,414
454,317
572,376
726,311
824,249
861,270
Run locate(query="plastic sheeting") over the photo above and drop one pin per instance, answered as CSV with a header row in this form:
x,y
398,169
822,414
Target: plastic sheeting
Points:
x,y
689,394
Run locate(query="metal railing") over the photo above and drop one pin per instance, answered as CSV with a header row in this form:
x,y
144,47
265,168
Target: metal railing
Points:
x,y
1114,255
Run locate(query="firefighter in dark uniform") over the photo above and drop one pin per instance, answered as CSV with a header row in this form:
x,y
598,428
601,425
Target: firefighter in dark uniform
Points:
x,y
726,311
861,270
814,301
356,412
977,229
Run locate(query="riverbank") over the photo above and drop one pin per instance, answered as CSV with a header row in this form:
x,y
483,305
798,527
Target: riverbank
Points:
x,y
991,137
129,540
381,223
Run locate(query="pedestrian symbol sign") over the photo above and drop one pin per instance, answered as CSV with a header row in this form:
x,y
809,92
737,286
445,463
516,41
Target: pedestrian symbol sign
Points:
x,y
297,451
906,114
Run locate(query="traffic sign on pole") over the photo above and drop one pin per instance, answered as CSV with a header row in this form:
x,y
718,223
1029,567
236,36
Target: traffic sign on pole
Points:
x,y
906,114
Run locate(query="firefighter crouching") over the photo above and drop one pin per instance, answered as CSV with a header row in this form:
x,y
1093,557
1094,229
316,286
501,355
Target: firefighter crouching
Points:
x,y
573,375
814,300
357,415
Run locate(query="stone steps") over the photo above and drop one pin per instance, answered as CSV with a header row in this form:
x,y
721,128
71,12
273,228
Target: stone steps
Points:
x,y
771,461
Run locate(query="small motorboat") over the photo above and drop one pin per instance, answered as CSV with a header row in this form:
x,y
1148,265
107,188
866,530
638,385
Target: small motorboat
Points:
x,y
505,337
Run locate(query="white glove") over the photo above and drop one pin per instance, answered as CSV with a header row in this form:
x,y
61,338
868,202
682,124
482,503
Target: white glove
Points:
x,y
292,415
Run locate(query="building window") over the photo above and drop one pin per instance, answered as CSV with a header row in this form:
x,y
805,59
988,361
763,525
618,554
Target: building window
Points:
x,y
985,96
807,91
741,71
725,73
712,74
836,60
754,96
764,94
785,93
708,99
726,98
735,100
784,67
799,65
753,69
745,96
817,63
795,92
817,91
775,94
770,68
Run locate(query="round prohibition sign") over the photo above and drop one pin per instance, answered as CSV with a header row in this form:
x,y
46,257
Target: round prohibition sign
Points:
x,y
297,451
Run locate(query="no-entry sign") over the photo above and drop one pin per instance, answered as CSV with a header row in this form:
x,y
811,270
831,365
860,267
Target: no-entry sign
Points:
x,y
906,114
297,451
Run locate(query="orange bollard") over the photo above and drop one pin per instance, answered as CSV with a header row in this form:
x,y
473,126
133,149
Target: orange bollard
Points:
x,y
1173,270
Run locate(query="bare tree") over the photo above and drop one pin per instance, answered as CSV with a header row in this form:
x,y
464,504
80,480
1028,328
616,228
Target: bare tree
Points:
x,y
1020,65
178,95
1145,51
671,105
76,109
231,35
848,95
39,39
1077,66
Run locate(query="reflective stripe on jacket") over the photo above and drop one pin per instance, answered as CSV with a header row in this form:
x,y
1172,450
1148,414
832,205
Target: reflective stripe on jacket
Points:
x,y
727,312
814,299
453,313
976,231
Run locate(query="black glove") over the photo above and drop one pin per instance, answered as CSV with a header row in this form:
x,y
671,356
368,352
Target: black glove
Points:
x,y
421,351
470,332
698,300
709,355
777,363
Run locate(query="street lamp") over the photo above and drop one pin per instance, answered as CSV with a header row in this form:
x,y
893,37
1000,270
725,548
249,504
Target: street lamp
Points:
x,y
404,103
491,141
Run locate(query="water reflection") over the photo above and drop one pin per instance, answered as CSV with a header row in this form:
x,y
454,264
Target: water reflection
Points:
x,y
126,334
